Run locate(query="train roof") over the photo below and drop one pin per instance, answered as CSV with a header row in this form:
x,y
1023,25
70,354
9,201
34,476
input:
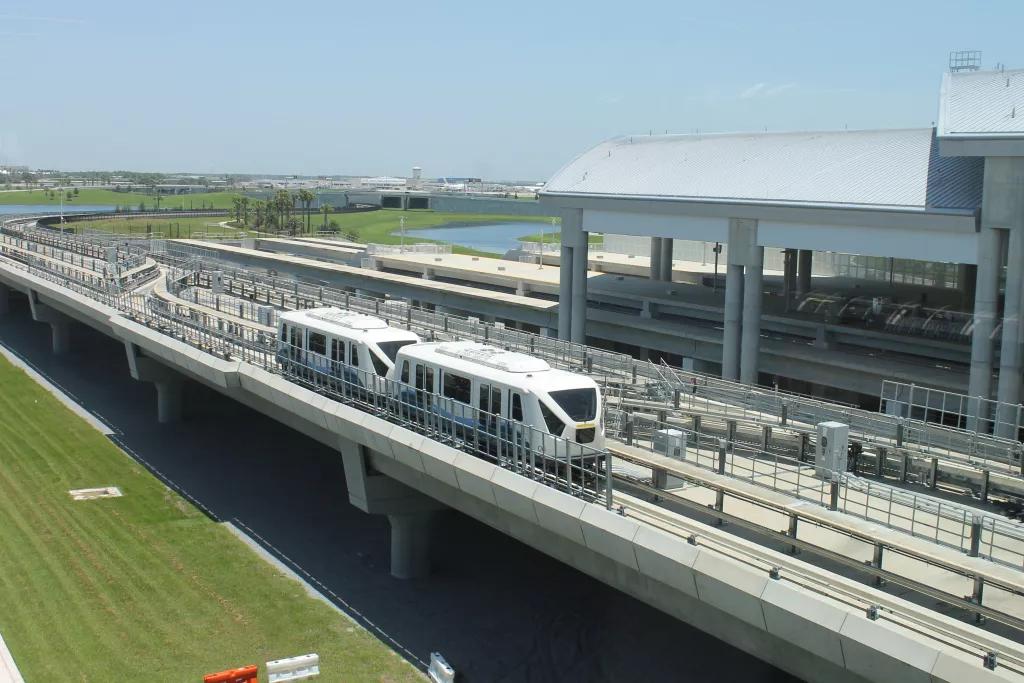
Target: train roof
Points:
x,y
341,323
511,367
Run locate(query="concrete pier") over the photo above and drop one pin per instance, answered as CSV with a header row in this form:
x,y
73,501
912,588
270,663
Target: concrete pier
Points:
x,y
565,293
750,347
733,313
60,324
665,271
5,293
410,544
986,300
803,278
655,258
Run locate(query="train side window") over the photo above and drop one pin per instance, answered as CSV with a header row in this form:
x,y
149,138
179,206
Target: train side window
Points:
x,y
484,394
317,343
496,400
457,387
296,337
419,376
355,356
379,366
554,425
284,333
337,351
405,371
430,380
517,408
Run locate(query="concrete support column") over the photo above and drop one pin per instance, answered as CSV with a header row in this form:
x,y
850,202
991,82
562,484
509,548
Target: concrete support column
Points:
x,y
565,292
733,312
655,258
5,296
169,401
578,328
1010,347
986,296
60,324
750,348
666,259
803,278
60,335
410,544
410,513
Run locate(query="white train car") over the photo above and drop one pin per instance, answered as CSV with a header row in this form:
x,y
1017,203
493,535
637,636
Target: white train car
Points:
x,y
439,375
339,343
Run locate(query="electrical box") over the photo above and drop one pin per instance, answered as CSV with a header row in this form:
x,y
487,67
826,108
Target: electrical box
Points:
x,y
217,282
833,448
265,314
670,442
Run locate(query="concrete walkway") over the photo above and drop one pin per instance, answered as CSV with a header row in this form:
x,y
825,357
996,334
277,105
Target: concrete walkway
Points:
x,y
8,669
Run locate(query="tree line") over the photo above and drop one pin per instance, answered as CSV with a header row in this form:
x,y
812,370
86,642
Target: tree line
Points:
x,y
286,213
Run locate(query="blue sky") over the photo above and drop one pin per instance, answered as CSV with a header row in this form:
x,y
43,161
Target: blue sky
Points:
x,y
500,90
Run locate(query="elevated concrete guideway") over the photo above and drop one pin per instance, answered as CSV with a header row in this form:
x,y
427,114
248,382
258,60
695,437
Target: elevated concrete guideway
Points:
x,y
811,622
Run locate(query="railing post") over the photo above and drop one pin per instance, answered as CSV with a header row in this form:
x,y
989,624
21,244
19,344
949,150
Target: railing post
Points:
x,y
607,479
766,437
976,525
696,425
804,439
904,467
675,398
900,429
933,474
629,429
784,414
722,450
833,494
880,455
876,561
730,433
985,475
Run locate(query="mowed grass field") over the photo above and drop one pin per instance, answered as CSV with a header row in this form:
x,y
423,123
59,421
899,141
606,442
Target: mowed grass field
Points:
x,y
142,587
172,226
93,195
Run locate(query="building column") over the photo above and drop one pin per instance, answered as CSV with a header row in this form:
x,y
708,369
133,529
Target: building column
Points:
x,y
750,348
655,258
1008,391
666,259
986,301
578,329
803,278
565,292
788,276
733,313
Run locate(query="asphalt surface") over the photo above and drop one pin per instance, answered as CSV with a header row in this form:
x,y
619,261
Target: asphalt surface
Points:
x,y
495,608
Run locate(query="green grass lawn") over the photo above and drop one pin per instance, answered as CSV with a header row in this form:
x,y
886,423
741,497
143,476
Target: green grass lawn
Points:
x,y
92,195
183,227
142,587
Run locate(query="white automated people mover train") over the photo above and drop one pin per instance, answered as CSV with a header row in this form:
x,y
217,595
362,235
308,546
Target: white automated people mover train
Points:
x,y
339,343
452,379
505,384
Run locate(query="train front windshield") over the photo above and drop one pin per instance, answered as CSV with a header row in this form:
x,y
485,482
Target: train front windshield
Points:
x,y
580,404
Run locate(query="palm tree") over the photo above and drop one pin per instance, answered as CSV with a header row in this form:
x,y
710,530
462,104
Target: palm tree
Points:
x,y
237,203
306,197
245,210
283,204
326,209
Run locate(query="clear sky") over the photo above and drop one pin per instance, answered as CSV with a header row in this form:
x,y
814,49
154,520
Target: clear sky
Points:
x,y
500,90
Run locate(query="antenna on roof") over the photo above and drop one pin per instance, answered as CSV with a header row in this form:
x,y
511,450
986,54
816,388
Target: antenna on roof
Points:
x,y
964,60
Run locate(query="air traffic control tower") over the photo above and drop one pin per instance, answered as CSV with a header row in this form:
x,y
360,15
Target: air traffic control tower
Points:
x,y
877,244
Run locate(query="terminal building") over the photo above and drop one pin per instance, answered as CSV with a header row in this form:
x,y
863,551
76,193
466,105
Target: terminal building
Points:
x,y
841,258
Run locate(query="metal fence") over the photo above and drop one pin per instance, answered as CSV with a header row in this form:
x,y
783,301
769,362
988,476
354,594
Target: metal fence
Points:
x,y
982,416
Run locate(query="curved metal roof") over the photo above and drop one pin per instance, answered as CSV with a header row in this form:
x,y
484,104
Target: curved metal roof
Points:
x,y
871,169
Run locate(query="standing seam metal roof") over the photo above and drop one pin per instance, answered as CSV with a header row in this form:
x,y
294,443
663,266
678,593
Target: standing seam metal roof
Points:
x,y
982,104
874,169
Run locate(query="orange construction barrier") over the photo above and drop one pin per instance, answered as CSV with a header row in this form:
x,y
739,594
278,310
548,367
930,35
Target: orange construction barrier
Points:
x,y
245,674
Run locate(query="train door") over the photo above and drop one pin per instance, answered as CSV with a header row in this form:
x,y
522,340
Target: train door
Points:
x,y
295,342
490,407
337,357
424,386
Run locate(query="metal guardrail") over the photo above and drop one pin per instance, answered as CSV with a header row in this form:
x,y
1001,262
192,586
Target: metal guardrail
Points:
x,y
922,516
974,414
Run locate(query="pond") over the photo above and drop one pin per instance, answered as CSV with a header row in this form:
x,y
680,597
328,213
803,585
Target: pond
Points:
x,y
495,238
11,209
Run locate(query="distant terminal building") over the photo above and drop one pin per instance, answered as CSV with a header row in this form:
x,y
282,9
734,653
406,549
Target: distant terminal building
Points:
x,y
383,183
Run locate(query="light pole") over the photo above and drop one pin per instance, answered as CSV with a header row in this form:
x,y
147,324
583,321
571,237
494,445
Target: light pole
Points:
x,y
401,222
